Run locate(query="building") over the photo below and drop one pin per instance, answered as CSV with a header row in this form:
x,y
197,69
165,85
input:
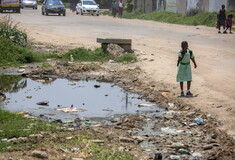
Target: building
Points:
x,y
182,6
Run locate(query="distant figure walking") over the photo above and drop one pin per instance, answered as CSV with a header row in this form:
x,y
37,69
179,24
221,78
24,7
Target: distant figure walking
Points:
x,y
221,19
120,8
114,8
229,23
184,73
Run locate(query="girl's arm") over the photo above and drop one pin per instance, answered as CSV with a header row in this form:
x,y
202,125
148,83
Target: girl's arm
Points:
x,y
194,62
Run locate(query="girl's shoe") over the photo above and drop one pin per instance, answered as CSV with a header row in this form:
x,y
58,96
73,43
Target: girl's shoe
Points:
x,y
189,93
182,94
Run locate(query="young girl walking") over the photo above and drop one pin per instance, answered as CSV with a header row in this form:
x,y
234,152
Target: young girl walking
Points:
x,y
184,73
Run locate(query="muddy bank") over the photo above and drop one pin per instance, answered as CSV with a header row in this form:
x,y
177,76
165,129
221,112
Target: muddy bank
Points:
x,y
173,135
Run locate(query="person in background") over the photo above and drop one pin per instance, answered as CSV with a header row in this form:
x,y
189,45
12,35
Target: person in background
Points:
x,y
120,8
114,8
229,23
221,19
184,73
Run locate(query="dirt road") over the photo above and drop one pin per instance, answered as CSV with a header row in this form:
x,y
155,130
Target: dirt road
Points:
x,y
213,80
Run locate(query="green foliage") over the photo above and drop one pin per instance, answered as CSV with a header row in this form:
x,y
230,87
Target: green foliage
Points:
x,y
82,54
45,65
14,126
9,30
108,154
127,58
192,12
14,54
139,11
129,6
207,19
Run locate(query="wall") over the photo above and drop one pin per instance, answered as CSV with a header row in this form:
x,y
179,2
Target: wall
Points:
x,y
148,6
171,5
191,4
215,5
181,6
231,5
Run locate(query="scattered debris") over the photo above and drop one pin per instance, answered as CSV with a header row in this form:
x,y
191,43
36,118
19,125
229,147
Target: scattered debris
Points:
x,y
146,105
127,140
68,109
165,94
75,149
97,141
97,86
219,106
43,103
21,71
198,120
208,147
39,154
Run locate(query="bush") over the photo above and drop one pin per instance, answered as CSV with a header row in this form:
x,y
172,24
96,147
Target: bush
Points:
x,y
9,30
139,11
14,54
127,58
192,12
129,6
83,54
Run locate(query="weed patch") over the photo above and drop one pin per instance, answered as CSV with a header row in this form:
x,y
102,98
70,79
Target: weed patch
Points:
x,y
82,54
127,58
193,17
14,126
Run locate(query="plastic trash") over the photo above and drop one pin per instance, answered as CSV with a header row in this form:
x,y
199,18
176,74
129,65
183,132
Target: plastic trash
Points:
x,y
4,140
75,149
169,130
87,123
175,157
198,120
165,94
71,58
170,106
183,151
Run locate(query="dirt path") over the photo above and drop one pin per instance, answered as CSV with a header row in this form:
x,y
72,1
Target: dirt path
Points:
x,y
158,43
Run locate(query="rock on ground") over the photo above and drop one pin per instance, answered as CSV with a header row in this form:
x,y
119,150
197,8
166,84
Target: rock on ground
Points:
x,y
115,50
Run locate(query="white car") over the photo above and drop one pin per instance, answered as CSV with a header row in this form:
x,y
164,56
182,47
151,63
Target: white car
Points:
x,y
87,7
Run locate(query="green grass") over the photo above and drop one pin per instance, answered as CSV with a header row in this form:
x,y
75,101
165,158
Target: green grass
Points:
x,y
13,54
14,126
126,58
83,54
207,19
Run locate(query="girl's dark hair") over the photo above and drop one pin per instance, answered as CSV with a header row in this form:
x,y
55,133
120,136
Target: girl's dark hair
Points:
x,y
184,43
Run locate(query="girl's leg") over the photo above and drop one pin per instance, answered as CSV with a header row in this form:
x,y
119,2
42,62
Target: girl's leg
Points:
x,y
188,85
182,88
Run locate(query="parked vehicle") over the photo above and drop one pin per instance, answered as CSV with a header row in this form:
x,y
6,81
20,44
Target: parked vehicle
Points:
x,y
30,4
53,6
13,5
87,7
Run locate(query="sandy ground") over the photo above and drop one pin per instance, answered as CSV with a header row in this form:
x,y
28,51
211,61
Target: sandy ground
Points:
x,y
213,80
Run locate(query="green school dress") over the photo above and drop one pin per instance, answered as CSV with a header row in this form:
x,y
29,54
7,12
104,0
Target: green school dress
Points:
x,y
184,72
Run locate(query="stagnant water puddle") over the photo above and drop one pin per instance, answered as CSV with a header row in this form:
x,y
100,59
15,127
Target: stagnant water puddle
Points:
x,y
90,99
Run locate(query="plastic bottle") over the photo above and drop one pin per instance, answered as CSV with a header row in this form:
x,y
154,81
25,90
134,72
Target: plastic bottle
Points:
x,y
198,120
183,151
